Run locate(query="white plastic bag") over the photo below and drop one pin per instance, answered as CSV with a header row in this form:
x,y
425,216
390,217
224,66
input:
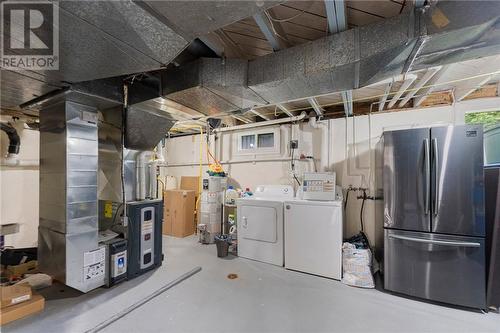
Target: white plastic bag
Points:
x,y
356,266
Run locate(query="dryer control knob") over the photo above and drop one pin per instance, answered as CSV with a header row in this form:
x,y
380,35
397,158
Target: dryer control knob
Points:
x,y
288,207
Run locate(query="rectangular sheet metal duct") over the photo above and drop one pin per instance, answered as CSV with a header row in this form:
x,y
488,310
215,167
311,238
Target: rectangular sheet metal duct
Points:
x,y
68,193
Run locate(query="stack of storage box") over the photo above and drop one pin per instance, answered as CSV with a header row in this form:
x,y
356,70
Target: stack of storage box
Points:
x,y
18,301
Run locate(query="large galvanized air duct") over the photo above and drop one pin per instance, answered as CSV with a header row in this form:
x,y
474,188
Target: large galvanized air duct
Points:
x,y
80,166
448,32
67,235
211,85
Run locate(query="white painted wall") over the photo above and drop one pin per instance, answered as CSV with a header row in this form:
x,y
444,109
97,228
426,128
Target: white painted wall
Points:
x,y
244,171
19,188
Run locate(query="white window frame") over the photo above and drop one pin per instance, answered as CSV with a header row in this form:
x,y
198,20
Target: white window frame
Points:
x,y
256,150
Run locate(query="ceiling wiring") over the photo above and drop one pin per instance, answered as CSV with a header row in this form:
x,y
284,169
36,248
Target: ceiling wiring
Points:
x,y
302,11
274,28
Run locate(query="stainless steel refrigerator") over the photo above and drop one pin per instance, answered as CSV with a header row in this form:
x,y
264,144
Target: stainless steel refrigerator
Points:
x,y
434,223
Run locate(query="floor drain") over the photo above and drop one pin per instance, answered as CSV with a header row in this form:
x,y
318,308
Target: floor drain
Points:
x,y
232,276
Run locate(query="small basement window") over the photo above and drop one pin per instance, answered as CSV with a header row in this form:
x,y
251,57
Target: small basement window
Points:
x,y
247,142
265,141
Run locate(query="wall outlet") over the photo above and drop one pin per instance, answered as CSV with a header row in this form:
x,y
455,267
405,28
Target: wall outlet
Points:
x,y
294,144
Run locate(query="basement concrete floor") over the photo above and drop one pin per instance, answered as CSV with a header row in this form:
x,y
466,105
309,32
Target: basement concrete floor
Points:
x,y
263,298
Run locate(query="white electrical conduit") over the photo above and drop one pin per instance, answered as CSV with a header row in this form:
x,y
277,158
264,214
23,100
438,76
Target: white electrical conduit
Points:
x,y
325,143
408,80
261,123
427,76
229,162
350,154
153,166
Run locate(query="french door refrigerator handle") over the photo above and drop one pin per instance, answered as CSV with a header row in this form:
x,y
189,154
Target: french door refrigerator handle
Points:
x,y
435,164
427,171
434,241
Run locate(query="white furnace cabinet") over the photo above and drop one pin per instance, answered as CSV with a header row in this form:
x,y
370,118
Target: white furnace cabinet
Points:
x,y
313,237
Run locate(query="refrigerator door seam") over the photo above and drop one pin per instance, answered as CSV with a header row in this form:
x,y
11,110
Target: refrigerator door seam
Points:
x,y
436,242
435,207
427,176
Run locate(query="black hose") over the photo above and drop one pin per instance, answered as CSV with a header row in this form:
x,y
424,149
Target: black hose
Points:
x,y
293,168
346,199
361,211
296,179
14,140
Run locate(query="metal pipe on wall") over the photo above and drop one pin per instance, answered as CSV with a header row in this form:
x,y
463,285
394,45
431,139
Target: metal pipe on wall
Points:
x,y
325,147
142,160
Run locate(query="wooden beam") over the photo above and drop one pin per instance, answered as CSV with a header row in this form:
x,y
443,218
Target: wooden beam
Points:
x,y
490,90
438,98
470,86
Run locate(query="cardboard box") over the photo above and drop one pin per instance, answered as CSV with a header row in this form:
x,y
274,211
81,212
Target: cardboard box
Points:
x,y
192,183
11,295
21,310
178,215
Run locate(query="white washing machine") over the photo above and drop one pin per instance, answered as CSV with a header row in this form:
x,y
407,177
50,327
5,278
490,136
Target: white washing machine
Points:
x,y
313,237
260,224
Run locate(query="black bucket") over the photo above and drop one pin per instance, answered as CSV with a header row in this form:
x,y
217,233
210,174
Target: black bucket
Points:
x,y
222,242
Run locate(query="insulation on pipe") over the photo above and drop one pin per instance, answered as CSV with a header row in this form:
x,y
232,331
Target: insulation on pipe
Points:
x,y
14,139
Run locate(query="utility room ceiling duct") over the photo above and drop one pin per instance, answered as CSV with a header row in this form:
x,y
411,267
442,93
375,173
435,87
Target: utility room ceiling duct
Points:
x,y
443,33
145,127
211,85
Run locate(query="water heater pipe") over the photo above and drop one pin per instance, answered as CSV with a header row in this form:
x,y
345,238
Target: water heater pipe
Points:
x,y
142,160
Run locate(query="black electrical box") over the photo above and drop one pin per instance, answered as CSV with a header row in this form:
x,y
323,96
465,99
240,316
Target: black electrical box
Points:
x,y
144,236
116,261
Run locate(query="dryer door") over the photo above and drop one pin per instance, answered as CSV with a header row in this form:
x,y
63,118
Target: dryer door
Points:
x,y
259,223
260,231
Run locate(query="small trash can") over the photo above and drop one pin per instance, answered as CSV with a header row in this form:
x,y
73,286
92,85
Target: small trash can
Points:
x,y
222,242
